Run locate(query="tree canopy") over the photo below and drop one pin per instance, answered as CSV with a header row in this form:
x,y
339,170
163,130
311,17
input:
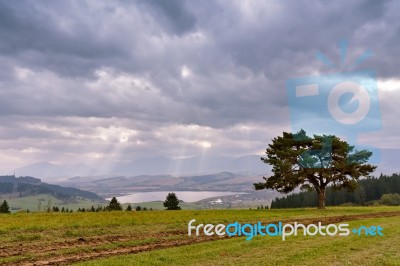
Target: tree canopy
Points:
x,y
313,162
4,208
114,205
172,202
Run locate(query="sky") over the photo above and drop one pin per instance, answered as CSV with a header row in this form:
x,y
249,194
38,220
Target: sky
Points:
x,y
100,82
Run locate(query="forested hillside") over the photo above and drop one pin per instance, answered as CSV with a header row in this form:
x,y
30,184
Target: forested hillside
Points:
x,y
367,192
27,186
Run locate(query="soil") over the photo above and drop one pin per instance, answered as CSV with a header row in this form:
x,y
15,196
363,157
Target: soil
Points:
x,y
88,248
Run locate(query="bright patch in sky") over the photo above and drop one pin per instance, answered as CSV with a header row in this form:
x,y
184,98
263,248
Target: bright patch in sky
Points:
x,y
205,144
185,72
389,84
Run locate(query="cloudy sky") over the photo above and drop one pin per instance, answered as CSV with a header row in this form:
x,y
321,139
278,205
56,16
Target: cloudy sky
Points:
x,y
106,81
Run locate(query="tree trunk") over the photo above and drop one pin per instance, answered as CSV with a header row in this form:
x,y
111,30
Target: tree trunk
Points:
x,y
321,198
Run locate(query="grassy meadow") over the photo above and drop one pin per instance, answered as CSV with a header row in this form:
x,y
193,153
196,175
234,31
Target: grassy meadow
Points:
x,y
31,203
160,237
300,250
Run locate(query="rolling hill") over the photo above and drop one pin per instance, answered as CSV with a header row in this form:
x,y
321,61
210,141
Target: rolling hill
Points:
x,y
222,181
16,187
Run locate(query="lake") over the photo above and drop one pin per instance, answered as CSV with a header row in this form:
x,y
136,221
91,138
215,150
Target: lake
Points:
x,y
186,196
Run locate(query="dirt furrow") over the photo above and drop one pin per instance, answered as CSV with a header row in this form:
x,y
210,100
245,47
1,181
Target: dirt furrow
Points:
x,y
47,258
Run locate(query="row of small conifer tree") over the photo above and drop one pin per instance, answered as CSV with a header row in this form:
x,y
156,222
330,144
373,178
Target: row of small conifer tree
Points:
x,y
171,203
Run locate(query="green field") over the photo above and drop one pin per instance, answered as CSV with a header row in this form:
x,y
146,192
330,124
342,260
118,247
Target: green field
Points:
x,y
160,237
31,203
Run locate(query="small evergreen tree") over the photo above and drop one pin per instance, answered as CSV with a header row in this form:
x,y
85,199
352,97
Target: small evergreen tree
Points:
x,y
92,209
114,205
138,208
129,208
172,202
4,208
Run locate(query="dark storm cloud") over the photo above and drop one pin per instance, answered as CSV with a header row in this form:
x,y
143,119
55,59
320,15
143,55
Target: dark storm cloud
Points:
x,y
281,39
275,38
84,72
172,15
64,37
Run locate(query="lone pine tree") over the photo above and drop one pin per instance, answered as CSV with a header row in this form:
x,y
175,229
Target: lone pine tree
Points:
x,y
4,208
314,162
114,205
172,202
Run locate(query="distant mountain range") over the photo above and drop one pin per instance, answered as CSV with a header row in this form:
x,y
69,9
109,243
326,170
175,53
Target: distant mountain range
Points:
x,y
161,173
223,181
245,165
194,165
152,166
48,171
